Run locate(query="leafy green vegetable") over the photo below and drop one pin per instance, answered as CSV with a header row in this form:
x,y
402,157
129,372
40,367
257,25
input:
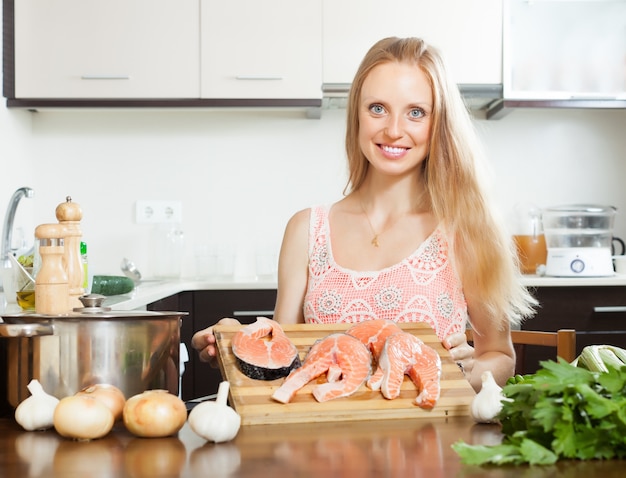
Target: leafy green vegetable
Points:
x,y
562,411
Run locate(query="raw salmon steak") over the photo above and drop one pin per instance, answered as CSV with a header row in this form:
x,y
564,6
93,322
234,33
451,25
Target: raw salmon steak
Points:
x,y
263,350
373,333
345,360
405,354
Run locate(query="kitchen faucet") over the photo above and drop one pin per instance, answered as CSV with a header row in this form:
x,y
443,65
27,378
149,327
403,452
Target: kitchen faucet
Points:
x,y
7,228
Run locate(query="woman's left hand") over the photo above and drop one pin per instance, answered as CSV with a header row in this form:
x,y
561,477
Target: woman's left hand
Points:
x,y
462,353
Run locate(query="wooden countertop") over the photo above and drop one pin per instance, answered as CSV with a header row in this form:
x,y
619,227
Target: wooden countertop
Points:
x,y
389,448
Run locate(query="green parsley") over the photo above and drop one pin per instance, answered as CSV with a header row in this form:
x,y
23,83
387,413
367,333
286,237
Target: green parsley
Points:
x,y
560,412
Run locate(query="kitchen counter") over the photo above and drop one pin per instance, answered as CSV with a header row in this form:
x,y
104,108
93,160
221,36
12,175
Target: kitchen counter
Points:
x,y
532,280
393,448
153,290
149,292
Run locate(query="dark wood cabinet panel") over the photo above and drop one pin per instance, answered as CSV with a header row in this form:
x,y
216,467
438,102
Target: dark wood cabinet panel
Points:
x,y
205,308
209,307
597,313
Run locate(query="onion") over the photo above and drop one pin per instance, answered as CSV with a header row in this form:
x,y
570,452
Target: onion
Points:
x,y
154,413
82,417
108,394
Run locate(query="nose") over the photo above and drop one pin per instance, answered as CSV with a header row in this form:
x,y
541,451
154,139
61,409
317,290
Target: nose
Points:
x,y
393,127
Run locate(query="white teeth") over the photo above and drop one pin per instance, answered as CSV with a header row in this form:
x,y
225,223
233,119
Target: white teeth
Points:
x,y
393,150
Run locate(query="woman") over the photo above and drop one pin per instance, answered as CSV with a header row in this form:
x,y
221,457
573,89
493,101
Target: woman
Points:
x,y
414,238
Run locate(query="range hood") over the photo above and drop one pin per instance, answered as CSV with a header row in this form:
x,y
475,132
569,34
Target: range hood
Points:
x,y
477,97
563,54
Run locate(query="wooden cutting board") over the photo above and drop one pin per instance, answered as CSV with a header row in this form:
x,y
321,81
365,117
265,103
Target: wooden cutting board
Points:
x,y
252,398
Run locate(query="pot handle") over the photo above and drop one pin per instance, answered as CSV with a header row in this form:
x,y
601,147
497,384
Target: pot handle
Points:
x,y
25,330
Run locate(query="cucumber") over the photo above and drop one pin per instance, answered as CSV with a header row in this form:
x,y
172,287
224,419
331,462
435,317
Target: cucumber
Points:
x,y
111,285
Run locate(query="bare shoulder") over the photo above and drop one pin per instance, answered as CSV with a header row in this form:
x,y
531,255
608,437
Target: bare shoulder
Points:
x,y
300,219
296,231
293,270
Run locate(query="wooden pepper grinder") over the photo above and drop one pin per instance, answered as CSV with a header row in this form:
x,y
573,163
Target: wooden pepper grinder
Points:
x,y
51,285
69,215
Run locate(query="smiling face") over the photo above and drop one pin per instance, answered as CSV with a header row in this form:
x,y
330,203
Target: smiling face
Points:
x,y
395,111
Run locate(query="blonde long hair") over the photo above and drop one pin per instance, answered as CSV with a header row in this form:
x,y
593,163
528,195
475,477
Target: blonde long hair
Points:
x,y
482,251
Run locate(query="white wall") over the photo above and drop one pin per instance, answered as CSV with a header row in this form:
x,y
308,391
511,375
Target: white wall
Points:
x,y
241,174
16,167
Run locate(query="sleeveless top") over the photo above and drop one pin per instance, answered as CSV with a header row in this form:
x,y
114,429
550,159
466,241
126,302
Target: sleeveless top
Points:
x,y
423,287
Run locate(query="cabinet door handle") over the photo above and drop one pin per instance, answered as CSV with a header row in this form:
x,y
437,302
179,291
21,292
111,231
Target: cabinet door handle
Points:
x,y
252,313
105,77
258,77
610,308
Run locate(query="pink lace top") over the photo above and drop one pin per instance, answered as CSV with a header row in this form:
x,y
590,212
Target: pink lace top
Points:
x,y
423,287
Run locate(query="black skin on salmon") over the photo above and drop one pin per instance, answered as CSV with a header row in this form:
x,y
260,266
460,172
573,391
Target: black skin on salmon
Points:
x,y
261,373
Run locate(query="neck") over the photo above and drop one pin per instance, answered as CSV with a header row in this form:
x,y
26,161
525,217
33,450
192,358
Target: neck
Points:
x,y
382,218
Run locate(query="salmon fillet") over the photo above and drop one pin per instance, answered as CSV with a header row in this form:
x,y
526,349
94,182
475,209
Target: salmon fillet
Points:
x,y
373,333
343,357
263,351
405,354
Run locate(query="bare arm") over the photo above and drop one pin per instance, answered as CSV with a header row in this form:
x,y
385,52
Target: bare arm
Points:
x,y
293,266
493,349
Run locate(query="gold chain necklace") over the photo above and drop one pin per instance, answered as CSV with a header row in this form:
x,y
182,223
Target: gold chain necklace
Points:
x,y
374,240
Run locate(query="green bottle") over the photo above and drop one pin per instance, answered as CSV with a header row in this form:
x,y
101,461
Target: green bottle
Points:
x,y
83,260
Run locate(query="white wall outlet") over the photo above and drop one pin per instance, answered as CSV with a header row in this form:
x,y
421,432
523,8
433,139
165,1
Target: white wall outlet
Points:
x,y
158,212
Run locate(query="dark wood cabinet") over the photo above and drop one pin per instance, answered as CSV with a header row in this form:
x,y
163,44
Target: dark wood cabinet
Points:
x,y
205,308
597,313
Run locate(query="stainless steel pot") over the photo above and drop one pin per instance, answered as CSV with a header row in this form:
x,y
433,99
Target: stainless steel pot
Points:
x,y
133,350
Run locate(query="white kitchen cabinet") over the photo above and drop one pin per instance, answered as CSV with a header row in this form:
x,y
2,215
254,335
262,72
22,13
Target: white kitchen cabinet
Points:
x,y
268,49
107,48
469,34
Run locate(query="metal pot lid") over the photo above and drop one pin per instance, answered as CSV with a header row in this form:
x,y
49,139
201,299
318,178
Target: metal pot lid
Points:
x,y
92,309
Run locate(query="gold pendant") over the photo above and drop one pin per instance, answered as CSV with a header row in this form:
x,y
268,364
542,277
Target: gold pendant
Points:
x,y
375,241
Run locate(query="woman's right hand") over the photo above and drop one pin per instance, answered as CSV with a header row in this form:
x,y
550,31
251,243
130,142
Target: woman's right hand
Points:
x,y
204,340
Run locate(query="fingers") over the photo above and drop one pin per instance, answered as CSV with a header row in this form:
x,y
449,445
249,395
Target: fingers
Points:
x,y
207,354
454,340
462,352
204,340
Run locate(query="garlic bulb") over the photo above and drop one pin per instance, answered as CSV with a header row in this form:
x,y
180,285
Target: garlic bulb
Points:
x,y
37,411
488,402
215,421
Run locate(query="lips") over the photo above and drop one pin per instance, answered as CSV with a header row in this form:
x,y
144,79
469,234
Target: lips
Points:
x,y
393,151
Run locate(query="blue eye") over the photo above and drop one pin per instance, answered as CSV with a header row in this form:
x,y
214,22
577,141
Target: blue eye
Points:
x,y
377,109
416,113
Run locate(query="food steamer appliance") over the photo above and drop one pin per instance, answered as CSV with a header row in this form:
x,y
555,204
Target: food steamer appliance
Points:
x,y
579,239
